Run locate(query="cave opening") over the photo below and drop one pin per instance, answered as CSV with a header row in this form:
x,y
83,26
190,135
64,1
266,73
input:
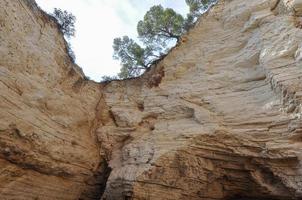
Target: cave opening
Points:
x,y
238,197
97,183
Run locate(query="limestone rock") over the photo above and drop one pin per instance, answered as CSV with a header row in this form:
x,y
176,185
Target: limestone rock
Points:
x,y
220,116
217,118
297,6
47,112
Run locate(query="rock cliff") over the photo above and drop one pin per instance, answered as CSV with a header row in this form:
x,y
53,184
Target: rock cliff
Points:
x,y
218,118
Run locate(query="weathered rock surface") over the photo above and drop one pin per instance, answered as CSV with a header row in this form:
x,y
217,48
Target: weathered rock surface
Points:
x,y
218,118
48,149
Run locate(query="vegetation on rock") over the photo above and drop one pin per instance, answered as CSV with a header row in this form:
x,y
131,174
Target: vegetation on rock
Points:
x,y
66,21
160,25
198,7
134,58
157,31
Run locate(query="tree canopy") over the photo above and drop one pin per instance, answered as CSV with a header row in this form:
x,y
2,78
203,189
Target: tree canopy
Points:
x,y
66,21
156,30
197,7
133,57
159,27
131,54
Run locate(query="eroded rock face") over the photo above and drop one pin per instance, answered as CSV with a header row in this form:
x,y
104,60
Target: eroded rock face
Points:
x,y
225,121
48,149
218,118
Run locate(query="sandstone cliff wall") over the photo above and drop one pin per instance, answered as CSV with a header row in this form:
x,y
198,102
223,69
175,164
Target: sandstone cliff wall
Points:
x,y
48,148
218,118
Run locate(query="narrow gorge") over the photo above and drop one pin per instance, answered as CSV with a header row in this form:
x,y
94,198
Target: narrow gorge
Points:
x,y
219,118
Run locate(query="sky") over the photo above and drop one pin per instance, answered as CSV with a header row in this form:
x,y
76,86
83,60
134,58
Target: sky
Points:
x,y
99,22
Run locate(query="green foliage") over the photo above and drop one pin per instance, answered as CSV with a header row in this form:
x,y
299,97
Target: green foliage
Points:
x,y
160,25
158,28
109,78
128,51
197,7
133,57
189,22
66,21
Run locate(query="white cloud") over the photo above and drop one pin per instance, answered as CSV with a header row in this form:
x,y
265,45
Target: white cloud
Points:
x,y
98,23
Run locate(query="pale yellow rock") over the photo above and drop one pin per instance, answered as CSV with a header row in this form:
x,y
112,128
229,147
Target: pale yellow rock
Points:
x,y
217,118
47,112
225,117
297,6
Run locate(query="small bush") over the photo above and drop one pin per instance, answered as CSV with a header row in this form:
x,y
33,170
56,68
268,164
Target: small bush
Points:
x,y
66,21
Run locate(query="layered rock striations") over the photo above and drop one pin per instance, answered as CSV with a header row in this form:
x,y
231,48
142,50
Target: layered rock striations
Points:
x,y
48,149
218,118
